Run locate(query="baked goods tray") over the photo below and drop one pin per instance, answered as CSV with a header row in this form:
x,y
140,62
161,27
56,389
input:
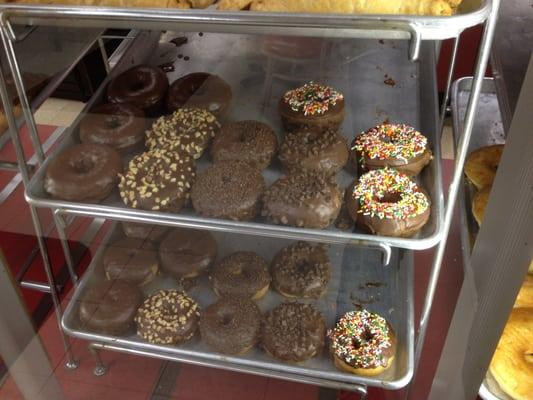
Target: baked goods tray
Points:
x,y
470,13
258,79
488,130
357,279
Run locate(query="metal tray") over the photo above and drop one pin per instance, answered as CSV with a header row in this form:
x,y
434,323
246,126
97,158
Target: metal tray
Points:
x,y
353,271
471,12
488,130
258,80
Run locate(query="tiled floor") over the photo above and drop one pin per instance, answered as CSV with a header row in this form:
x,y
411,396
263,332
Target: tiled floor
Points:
x,y
58,112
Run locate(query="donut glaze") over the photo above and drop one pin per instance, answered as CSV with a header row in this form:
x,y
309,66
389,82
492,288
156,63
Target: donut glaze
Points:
x,y
120,126
131,260
143,86
136,230
109,307
250,141
231,325
293,332
301,271
243,274
186,253
83,172
167,317
200,90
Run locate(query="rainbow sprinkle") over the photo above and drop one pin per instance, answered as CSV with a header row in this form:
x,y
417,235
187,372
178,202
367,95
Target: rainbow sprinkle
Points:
x,y
359,339
375,185
312,98
388,141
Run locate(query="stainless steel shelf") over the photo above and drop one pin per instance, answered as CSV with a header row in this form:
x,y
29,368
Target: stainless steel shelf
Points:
x,y
258,80
352,269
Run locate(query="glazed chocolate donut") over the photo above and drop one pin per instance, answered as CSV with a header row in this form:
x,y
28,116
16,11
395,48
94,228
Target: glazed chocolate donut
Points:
x,y
231,325
143,86
363,343
200,90
250,141
167,317
243,274
228,189
325,152
186,253
120,126
157,180
187,130
131,260
109,307
293,332
388,203
301,271
83,172
400,147
314,106
303,199
142,231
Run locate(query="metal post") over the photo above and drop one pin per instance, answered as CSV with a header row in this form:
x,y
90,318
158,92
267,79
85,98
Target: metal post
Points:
x,y
481,66
449,81
100,369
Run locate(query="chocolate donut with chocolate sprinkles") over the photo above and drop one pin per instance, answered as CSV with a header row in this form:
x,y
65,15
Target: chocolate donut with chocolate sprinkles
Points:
x,y
231,325
303,199
138,230
187,130
301,270
293,332
167,317
158,180
250,141
228,189
243,274
325,152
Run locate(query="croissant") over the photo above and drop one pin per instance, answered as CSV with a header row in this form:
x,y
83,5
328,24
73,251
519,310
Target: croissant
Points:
x,y
122,3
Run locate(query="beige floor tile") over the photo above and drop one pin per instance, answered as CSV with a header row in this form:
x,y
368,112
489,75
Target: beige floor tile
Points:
x,y
447,143
58,112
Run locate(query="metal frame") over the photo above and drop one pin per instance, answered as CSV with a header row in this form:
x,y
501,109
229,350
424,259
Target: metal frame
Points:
x,y
413,28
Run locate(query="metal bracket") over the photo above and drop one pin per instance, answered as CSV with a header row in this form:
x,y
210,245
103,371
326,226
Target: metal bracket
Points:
x,y
414,43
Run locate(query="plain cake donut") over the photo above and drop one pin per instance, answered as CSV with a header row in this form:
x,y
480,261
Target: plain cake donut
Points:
x,y
481,165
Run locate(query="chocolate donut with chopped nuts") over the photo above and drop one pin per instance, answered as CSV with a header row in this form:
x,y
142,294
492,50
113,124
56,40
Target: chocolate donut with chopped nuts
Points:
x,y
303,199
250,141
243,274
228,189
325,152
293,332
301,271
167,317
231,325
158,180
187,130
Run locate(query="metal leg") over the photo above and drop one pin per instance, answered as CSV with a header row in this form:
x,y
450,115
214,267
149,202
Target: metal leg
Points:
x,y
103,52
449,81
100,368
481,66
61,226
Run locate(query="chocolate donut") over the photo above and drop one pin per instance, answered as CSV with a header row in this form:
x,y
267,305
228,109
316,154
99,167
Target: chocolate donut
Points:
x,y
200,90
143,86
303,199
400,147
243,274
388,203
167,317
142,231
301,271
228,189
231,325
314,106
187,130
109,307
120,126
325,152
293,332
186,253
363,343
131,260
83,172
250,141
157,180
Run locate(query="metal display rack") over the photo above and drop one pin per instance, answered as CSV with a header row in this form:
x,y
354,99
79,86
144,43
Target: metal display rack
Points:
x,y
421,34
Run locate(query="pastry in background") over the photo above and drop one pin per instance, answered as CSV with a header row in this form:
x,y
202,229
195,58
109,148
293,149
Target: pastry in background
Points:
x,y
479,203
481,165
122,3
525,295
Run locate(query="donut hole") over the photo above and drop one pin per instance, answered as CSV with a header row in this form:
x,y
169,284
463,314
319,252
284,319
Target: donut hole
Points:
x,y
389,197
303,267
82,165
226,319
226,179
387,139
365,337
113,122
